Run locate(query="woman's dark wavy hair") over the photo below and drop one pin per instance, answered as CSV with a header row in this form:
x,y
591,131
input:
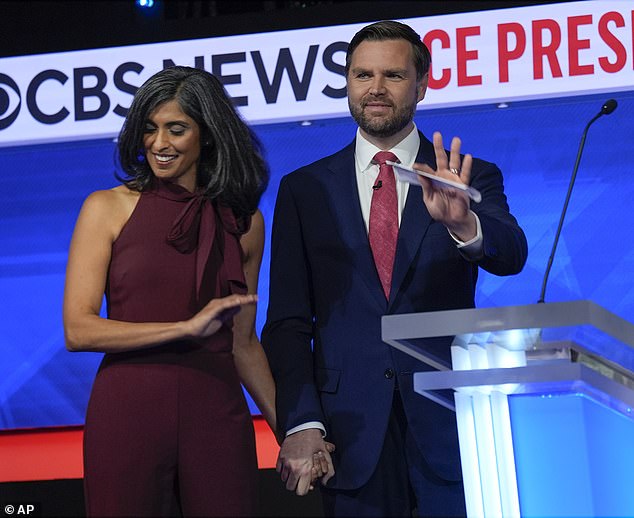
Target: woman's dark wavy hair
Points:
x,y
391,30
231,168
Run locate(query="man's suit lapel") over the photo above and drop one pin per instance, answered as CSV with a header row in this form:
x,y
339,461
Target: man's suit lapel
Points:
x,y
342,185
415,221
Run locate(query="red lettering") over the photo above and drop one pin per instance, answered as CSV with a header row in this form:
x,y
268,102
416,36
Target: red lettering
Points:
x,y
445,77
464,55
575,45
549,51
505,54
613,42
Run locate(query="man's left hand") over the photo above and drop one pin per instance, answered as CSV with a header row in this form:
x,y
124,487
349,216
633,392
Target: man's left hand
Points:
x,y
447,205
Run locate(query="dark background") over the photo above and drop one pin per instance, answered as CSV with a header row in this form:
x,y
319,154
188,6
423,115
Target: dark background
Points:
x,y
40,26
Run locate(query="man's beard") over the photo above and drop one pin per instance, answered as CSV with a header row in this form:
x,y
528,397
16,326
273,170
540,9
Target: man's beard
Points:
x,y
383,127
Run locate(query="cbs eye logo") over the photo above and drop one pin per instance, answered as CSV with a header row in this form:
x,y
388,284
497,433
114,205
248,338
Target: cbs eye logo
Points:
x,y
10,101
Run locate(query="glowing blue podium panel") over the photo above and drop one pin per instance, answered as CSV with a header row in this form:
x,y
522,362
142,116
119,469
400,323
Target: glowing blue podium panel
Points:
x,y
543,396
574,456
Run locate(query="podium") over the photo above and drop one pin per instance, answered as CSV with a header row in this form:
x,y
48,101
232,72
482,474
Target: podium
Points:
x,y
544,401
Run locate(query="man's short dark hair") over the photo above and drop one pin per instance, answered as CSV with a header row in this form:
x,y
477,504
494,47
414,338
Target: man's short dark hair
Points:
x,y
391,30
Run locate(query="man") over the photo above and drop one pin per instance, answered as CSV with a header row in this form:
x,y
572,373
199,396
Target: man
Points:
x,y
349,245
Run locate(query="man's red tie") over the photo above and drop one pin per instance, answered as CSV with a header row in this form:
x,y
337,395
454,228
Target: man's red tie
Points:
x,y
383,231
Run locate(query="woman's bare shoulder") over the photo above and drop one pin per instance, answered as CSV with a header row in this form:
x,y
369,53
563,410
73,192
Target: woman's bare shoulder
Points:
x,y
111,206
117,199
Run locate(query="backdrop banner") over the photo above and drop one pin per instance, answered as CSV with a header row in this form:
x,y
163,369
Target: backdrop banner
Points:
x,y
554,50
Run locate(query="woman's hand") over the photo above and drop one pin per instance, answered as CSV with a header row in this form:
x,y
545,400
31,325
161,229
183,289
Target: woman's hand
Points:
x,y
217,311
322,466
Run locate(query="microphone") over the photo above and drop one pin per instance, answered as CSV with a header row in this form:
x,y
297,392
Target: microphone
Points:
x,y
377,185
608,107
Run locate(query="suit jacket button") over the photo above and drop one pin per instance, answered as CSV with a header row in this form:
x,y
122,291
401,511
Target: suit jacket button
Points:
x,y
389,373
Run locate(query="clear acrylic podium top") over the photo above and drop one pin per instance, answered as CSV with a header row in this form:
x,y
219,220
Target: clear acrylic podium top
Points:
x,y
579,345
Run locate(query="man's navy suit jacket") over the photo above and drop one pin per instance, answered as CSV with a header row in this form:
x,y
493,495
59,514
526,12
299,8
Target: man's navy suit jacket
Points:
x,y
323,331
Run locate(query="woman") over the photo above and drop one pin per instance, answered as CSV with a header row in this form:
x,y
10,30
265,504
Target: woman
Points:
x,y
176,249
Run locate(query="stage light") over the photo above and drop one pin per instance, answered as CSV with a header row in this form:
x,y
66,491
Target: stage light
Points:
x,y
145,4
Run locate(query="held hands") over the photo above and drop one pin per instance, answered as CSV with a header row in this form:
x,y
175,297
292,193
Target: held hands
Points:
x,y
446,205
217,311
322,468
305,457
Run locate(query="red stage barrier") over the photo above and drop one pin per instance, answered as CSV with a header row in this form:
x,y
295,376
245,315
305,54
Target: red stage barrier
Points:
x,y
56,453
